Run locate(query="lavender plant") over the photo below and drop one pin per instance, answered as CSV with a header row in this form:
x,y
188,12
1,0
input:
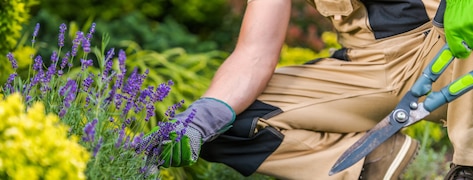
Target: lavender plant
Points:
x,y
104,104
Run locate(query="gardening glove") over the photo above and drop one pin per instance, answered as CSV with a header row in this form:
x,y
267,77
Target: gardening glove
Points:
x,y
203,121
459,27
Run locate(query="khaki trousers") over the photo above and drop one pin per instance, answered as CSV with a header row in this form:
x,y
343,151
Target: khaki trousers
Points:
x,y
331,104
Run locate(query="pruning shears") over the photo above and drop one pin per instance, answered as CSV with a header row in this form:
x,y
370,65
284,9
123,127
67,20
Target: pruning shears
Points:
x,y
409,110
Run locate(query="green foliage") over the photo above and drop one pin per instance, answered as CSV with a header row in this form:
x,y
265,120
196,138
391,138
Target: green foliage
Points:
x,y
195,13
221,171
13,15
431,162
157,36
299,55
436,137
130,30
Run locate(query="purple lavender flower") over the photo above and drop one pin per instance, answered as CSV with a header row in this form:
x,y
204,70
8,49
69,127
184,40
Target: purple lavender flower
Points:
x,y
35,33
37,78
129,104
121,135
126,144
76,42
121,61
38,63
64,62
54,57
137,141
133,84
118,101
12,60
87,99
86,44
62,30
9,83
88,82
108,63
86,63
189,118
163,90
171,111
62,112
49,74
89,131
111,94
148,92
69,92
91,31
108,67
98,146
165,129
119,81
149,111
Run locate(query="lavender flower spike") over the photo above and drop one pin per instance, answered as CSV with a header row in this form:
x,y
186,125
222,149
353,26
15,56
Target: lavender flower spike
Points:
x,y
76,42
86,45
38,63
12,60
86,63
62,30
91,31
69,91
98,146
35,33
88,82
9,83
89,131
121,61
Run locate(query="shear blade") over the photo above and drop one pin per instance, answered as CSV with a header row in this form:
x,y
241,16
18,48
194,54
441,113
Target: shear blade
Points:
x,y
372,139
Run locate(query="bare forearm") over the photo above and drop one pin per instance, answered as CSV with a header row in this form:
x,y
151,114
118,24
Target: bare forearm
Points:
x,y
244,75
238,83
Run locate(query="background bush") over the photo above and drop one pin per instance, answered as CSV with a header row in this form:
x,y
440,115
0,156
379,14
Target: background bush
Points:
x,y
13,15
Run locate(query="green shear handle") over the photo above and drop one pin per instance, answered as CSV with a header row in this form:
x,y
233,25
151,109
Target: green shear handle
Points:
x,y
449,93
423,85
436,67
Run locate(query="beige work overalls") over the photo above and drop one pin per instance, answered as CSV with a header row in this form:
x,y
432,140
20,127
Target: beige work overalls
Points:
x,y
329,105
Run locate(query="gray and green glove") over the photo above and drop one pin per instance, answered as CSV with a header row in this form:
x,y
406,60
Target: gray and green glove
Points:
x,y
203,121
458,23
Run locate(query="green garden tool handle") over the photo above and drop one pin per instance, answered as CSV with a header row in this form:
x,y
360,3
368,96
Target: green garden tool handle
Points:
x,y
432,72
449,93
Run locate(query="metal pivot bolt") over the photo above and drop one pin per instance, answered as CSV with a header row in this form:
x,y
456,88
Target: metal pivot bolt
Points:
x,y
414,105
400,116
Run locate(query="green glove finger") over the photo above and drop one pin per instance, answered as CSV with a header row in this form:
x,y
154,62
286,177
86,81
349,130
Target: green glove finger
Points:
x,y
176,151
170,152
459,27
186,151
166,154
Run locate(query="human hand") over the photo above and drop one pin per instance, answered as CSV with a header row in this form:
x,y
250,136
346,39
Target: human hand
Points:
x,y
180,147
459,27
177,143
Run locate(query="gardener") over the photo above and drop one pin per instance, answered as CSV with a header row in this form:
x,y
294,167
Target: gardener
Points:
x,y
294,123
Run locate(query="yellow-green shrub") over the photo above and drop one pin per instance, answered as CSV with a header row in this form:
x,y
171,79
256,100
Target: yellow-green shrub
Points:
x,y
34,145
298,55
13,14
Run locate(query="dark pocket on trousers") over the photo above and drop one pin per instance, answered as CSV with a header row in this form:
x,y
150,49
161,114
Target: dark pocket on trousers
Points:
x,y
240,147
